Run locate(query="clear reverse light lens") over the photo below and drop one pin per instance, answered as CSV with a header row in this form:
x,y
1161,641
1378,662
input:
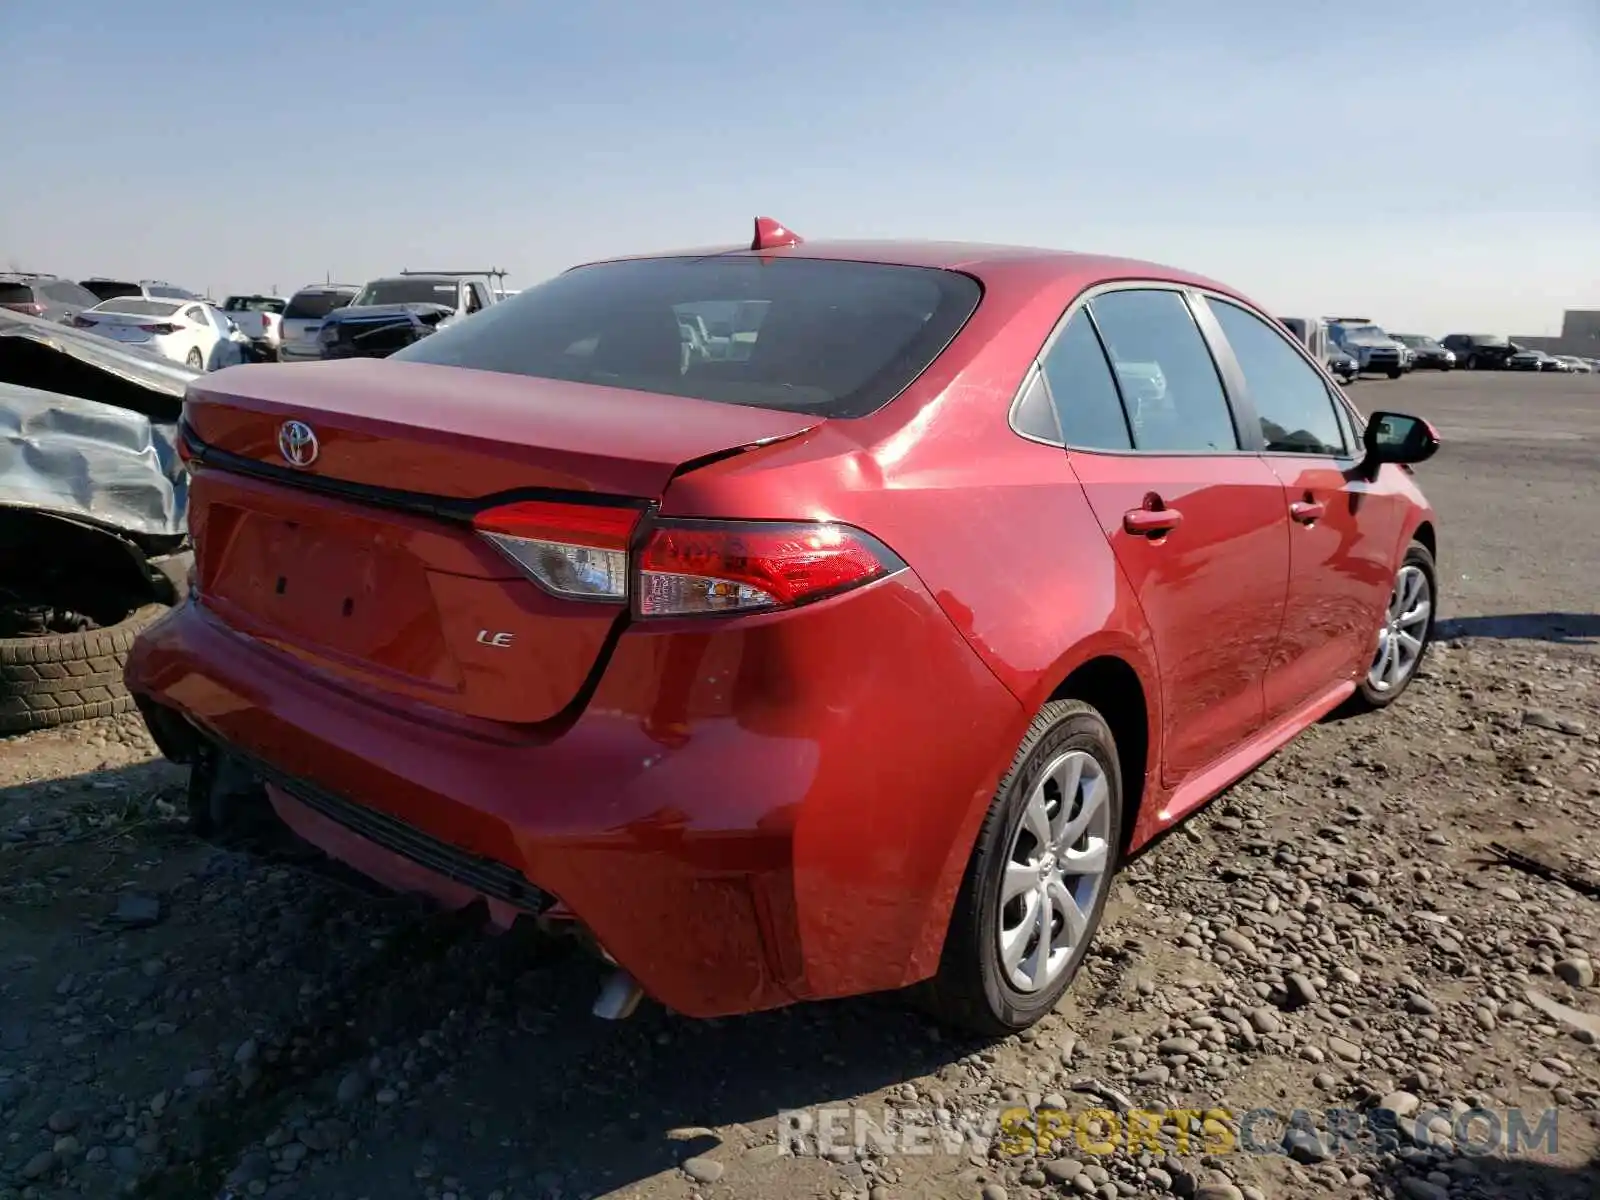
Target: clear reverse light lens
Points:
x,y
584,572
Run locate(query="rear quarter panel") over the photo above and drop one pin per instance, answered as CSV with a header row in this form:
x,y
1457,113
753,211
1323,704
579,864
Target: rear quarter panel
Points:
x,y
996,527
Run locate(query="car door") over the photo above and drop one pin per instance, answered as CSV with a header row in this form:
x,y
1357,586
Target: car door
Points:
x,y
202,334
1194,516
1343,530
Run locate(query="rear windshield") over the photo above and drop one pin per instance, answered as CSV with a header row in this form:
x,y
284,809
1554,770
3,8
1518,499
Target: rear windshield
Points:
x,y
108,289
312,305
409,291
838,339
1487,339
16,293
266,304
137,307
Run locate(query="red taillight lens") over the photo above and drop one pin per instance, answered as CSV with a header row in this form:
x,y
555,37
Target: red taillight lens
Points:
x,y
162,328
33,310
180,443
691,568
579,551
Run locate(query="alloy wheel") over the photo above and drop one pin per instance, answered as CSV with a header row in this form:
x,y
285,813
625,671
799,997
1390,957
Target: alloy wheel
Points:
x,y
1056,866
1401,638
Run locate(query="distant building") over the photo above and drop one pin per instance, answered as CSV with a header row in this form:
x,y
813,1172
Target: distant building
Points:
x,y
1580,334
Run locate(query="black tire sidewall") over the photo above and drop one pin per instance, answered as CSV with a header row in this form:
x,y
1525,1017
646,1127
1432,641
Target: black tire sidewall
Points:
x,y
1416,556
1079,728
52,658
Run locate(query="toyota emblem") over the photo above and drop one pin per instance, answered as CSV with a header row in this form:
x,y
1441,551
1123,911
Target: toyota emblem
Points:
x,y
297,443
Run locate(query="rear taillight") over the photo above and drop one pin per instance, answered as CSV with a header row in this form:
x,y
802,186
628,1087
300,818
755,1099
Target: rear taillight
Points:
x,y
579,551
689,568
180,443
163,328
683,568
33,310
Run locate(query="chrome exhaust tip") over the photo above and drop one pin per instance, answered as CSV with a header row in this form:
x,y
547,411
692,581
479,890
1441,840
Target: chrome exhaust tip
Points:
x,y
618,998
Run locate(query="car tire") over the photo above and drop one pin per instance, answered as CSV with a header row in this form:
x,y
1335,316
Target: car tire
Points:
x,y
195,360
1371,692
50,681
973,989
1395,373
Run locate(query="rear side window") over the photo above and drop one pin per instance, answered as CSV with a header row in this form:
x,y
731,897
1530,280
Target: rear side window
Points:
x,y
1289,395
838,339
135,306
265,304
65,292
410,291
1086,400
16,293
1169,383
313,305
110,289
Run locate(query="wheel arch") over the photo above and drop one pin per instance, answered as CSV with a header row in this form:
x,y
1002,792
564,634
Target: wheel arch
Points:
x,y
1116,689
1424,533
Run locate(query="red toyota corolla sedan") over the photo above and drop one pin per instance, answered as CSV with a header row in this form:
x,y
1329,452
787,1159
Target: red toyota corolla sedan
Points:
x,y
796,620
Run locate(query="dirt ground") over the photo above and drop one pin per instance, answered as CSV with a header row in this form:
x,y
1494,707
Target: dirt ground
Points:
x,y
1334,933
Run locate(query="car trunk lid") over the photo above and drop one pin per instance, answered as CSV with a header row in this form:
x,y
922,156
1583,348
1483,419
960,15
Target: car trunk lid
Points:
x,y
362,560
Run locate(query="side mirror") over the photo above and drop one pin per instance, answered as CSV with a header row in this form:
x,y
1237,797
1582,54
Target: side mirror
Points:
x,y
1397,438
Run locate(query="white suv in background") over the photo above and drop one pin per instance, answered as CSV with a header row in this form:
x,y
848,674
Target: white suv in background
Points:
x,y
302,319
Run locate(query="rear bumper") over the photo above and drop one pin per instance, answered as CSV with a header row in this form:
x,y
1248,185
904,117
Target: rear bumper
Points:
x,y
777,810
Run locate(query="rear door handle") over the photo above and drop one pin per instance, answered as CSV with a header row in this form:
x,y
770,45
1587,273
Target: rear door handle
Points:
x,y
1151,521
1308,511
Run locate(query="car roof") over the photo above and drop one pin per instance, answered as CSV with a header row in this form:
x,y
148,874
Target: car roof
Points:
x,y
989,262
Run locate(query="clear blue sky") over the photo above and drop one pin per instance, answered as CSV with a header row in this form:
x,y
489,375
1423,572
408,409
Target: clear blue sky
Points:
x,y
1435,165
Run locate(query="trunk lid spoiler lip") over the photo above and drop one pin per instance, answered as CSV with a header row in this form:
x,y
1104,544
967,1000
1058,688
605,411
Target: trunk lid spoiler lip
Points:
x,y
456,511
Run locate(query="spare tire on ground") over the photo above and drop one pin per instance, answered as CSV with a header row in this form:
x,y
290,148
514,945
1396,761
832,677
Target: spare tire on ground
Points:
x,y
62,678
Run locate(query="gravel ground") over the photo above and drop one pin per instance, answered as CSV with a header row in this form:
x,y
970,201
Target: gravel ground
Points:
x,y
183,1020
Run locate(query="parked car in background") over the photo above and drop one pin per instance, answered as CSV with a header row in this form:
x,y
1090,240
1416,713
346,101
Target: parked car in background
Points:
x,y
1521,359
303,316
1579,366
448,605
1312,333
194,333
1427,354
1374,350
93,508
391,313
1342,365
1480,351
260,319
148,289
47,296
1552,362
